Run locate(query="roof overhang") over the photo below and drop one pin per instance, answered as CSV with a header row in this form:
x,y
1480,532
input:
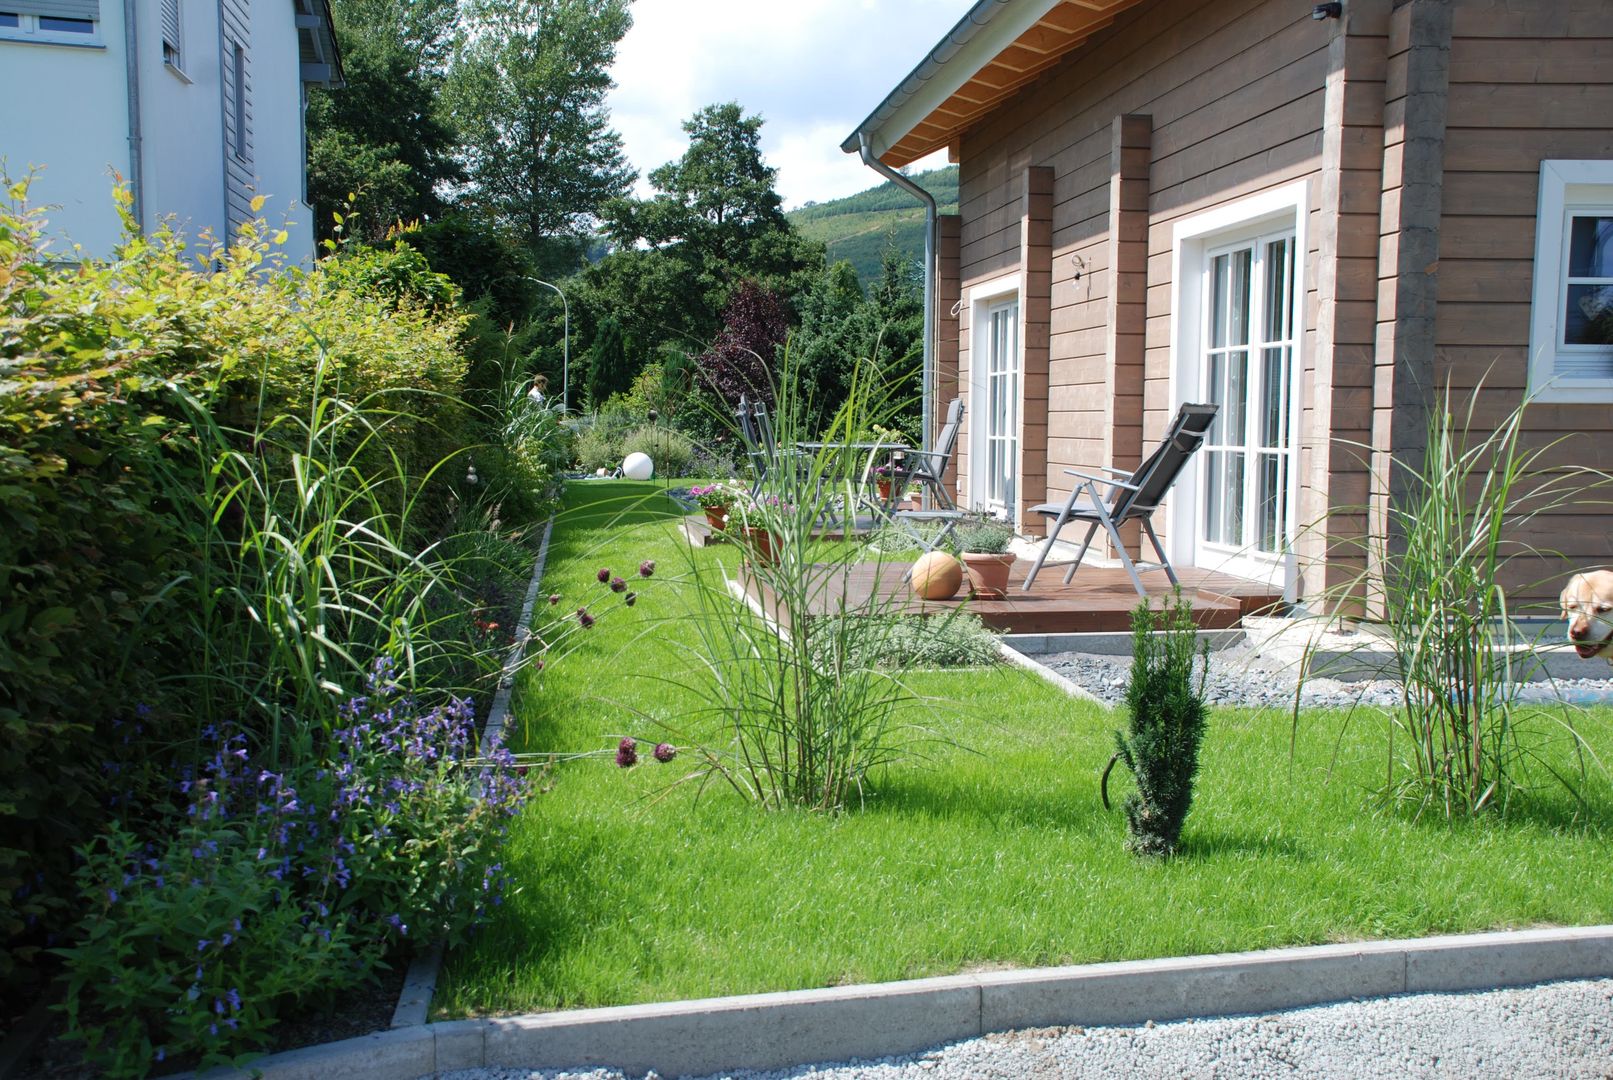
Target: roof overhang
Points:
x,y
993,51
320,59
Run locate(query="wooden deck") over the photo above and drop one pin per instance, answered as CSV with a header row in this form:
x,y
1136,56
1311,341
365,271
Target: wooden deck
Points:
x,y
1099,599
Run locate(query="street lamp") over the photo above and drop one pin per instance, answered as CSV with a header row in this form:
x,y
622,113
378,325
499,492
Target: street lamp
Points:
x,y
565,373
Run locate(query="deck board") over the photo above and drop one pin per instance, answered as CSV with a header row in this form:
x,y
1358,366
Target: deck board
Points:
x,y
1100,599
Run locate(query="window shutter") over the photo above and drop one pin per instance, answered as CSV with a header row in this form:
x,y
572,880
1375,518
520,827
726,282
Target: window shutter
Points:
x,y
170,23
61,9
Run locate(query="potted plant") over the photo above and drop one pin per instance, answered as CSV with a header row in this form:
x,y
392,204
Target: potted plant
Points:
x,y
882,482
762,522
714,499
984,548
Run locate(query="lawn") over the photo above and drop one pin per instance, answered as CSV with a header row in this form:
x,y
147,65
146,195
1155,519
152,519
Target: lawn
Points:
x,y
989,848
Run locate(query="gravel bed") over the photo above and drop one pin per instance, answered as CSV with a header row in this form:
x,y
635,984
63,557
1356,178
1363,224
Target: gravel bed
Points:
x,y
1238,677
1556,1030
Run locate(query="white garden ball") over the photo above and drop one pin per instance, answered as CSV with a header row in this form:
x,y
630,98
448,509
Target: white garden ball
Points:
x,y
638,467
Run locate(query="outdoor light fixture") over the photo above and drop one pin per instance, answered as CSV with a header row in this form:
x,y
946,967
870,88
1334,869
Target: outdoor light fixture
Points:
x,y
1327,11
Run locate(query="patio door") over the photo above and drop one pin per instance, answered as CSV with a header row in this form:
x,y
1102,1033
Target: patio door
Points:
x,y
1246,366
997,487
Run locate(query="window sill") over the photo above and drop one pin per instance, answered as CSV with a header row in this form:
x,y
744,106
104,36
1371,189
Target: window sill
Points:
x,y
12,38
178,73
1579,393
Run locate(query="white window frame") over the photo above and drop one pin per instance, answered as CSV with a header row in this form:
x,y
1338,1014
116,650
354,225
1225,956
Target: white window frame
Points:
x,y
983,297
1193,239
29,32
176,62
1566,188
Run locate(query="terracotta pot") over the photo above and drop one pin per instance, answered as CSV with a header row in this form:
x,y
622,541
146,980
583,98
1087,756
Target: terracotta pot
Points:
x,y
716,517
884,487
988,573
936,576
763,545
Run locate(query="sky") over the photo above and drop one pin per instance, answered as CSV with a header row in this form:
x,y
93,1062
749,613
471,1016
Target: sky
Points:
x,y
813,69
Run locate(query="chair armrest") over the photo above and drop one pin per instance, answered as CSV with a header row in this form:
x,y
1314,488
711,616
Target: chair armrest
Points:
x,y
1100,480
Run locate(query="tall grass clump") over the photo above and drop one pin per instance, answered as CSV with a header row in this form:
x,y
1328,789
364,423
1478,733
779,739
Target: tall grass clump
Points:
x,y
1165,708
808,709
1442,552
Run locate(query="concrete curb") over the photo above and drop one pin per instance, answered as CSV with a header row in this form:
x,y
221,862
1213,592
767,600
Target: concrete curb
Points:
x,y
771,1031
414,1001
1013,656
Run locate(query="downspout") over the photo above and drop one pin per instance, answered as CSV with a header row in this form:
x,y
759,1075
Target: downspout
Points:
x,y
926,395
137,154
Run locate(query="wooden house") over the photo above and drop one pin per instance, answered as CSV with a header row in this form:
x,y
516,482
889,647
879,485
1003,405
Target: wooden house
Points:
x,y
1319,216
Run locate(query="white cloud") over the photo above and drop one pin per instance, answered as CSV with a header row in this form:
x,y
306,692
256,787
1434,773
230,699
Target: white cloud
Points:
x,y
812,68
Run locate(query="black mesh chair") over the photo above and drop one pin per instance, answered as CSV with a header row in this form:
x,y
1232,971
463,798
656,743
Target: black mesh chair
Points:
x,y
929,467
1132,496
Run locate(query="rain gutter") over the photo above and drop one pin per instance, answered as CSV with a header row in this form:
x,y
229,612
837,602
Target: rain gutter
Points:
x,y
137,153
928,200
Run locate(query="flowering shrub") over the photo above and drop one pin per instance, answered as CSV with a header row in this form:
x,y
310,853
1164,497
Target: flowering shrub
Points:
x,y
281,885
715,496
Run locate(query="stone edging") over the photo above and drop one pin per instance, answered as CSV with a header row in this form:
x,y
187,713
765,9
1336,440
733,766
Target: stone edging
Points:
x,y
771,1031
414,1002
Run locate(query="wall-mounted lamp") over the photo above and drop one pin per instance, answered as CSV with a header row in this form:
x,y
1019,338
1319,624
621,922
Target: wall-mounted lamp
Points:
x,y
1080,266
1327,11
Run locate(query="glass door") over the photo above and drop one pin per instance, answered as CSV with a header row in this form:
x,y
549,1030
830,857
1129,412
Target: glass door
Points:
x,y
1247,369
999,488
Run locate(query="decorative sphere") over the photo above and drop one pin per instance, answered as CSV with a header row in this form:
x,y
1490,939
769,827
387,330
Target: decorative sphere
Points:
x,y
936,576
638,466
599,472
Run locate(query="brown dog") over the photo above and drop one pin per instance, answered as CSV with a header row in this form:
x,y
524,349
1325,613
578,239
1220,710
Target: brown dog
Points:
x,y
1588,607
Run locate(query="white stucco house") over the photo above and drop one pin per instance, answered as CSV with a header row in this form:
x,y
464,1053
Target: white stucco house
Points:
x,y
198,104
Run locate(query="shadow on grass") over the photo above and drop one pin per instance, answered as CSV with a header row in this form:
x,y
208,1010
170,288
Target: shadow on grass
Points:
x,y
1209,843
907,793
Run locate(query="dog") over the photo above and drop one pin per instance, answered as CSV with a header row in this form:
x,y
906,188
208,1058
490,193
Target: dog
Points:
x,y
1588,606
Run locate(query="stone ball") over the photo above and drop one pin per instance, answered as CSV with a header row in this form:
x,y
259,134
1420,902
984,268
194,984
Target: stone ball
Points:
x,y
638,467
936,576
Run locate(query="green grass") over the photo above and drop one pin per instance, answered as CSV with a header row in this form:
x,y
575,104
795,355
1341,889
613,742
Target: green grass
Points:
x,y
989,849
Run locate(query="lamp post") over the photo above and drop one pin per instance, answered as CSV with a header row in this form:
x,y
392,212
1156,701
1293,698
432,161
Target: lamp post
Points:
x,y
565,372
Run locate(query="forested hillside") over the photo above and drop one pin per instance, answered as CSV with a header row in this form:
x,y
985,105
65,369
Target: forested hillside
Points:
x,y
858,227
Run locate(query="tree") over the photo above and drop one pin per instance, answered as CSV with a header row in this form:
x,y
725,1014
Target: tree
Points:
x,y
610,370
895,318
745,355
527,91
714,220
383,135
831,338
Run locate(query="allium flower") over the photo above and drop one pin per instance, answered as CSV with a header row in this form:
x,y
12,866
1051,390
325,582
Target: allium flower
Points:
x,y
646,568
630,599
603,575
618,585
584,619
626,754
554,598
665,752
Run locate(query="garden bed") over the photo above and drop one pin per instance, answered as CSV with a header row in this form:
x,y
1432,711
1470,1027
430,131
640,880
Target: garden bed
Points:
x,y
987,847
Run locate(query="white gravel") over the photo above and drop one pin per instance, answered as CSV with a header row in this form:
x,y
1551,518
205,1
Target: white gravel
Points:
x,y
1560,1029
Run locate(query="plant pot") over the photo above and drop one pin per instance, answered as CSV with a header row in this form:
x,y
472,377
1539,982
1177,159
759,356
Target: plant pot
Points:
x,y
884,488
988,573
716,517
763,545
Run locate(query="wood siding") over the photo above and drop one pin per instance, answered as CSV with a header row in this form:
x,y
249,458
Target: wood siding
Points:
x,y
1235,92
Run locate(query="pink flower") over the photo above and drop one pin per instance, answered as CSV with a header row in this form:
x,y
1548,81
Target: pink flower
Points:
x,y
585,620
646,568
626,754
603,575
665,752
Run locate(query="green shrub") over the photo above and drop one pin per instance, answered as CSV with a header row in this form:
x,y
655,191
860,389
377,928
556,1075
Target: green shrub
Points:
x,y
1166,712
671,451
984,538
598,448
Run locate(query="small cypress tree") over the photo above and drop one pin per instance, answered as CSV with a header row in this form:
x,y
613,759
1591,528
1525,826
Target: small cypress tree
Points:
x,y
1167,715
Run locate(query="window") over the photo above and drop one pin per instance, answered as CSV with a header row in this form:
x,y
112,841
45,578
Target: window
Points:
x,y
995,367
1571,322
173,53
54,22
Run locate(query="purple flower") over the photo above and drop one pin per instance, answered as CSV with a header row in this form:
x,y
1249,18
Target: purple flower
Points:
x,y
112,895
618,585
202,944
235,998
626,754
603,575
646,568
161,1054
665,752
630,599
584,619
554,598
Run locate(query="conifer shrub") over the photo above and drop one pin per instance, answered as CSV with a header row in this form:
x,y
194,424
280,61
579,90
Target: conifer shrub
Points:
x,y
1166,711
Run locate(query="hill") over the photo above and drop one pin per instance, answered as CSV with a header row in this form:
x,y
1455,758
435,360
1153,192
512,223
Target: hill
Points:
x,y
858,227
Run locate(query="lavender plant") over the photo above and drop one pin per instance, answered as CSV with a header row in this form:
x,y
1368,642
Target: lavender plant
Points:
x,y
278,886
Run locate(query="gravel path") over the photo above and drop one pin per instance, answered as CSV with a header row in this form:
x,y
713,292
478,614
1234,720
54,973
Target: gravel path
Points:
x,y
1238,676
1557,1030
